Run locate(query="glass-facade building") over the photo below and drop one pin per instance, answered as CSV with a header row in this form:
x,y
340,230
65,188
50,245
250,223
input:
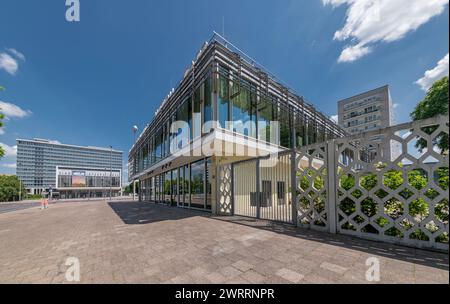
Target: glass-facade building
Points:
x,y
39,159
227,101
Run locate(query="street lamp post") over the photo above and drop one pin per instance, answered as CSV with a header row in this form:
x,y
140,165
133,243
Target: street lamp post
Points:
x,y
135,129
20,190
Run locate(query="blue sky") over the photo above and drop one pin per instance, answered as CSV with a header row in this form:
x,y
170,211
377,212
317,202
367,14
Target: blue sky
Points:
x,y
89,82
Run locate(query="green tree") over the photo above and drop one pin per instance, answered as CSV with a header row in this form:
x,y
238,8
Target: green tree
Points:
x,y
10,188
434,103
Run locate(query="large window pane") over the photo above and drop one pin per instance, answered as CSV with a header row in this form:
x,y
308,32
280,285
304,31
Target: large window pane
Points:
x,y
198,184
174,185
243,111
207,104
208,184
197,121
266,115
222,102
186,192
285,127
157,189
167,187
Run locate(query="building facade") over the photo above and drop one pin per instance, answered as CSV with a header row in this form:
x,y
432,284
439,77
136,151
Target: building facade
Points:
x,y
367,111
41,162
231,109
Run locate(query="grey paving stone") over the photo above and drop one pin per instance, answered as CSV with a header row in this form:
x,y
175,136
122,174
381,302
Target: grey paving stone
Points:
x,y
170,245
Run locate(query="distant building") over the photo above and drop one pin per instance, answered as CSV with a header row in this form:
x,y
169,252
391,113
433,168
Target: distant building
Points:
x,y
69,170
367,111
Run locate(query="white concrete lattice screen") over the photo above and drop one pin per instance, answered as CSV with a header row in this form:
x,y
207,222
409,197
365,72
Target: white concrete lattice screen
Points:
x,y
312,187
346,185
225,189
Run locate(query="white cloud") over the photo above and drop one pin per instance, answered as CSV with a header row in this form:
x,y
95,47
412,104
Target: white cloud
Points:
x,y
12,110
335,118
16,54
9,64
11,166
431,76
372,21
395,105
9,151
354,52
2,130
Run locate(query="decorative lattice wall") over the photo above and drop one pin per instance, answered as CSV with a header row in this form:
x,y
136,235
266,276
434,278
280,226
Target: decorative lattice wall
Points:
x,y
312,187
390,185
224,189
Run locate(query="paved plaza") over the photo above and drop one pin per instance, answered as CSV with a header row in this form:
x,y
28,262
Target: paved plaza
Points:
x,y
131,242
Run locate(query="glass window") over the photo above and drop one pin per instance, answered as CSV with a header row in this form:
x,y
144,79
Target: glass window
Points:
x,y
207,105
197,121
157,188
265,116
174,185
244,110
285,127
167,187
222,102
158,145
208,184
198,184
184,114
186,193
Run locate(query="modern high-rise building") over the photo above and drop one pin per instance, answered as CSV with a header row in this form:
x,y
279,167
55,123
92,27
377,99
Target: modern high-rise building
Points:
x,y
226,109
367,111
68,170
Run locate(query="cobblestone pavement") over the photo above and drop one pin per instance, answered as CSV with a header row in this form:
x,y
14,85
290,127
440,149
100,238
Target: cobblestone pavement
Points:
x,y
130,242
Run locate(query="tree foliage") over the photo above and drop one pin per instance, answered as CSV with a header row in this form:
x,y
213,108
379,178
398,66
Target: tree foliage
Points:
x,y
418,208
10,188
435,103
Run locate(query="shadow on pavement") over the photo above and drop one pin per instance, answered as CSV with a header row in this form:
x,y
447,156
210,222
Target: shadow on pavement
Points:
x,y
139,213
412,255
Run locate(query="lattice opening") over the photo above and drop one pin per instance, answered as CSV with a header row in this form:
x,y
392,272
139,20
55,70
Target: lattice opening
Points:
x,y
347,181
442,238
393,179
348,226
441,211
419,209
380,193
418,178
358,219
406,193
394,232
319,204
393,208
370,229
304,205
440,143
368,181
406,224
441,177
432,227
347,206
369,207
417,147
419,235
